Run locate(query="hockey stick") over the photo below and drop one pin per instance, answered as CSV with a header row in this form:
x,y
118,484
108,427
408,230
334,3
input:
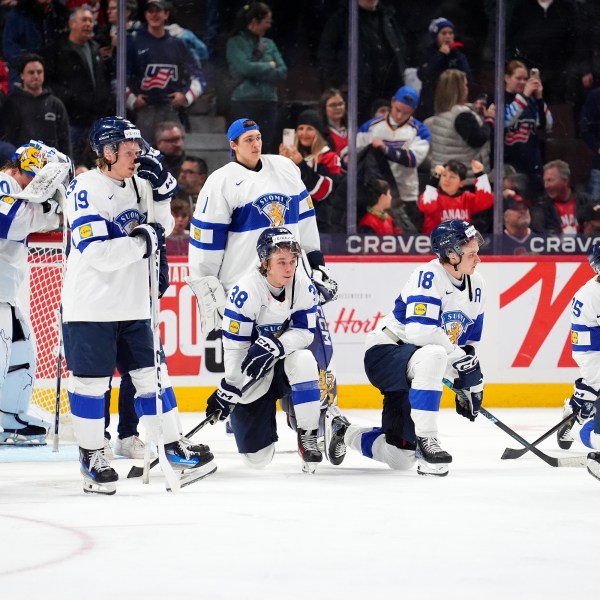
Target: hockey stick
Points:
x,y
575,461
138,471
510,453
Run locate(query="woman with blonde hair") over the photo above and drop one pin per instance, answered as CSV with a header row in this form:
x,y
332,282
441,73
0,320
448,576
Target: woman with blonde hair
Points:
x,y
458,131
320,167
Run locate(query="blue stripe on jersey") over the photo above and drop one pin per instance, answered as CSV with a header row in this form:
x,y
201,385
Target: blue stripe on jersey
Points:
x,y
305,392
85,220
399,311
473,332
7,219
422,321
425,399
301,318
237,316
146,405
424,300
251,218
579,333
367,440
236,338
214,239
87,407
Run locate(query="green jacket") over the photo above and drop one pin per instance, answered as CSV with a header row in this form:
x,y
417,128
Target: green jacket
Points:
x,y
254,79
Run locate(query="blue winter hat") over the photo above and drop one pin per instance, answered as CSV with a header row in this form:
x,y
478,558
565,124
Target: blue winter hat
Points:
x,y
238,127
407,95
439,23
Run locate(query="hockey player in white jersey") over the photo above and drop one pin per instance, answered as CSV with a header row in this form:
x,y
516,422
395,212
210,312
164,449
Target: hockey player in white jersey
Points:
x,y
430,335
237,202
268,324
106,304
585,343
19,218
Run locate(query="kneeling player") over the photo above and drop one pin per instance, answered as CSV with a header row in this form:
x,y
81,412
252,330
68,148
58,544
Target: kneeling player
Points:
x,y
427,338
268,324
585,336
106,306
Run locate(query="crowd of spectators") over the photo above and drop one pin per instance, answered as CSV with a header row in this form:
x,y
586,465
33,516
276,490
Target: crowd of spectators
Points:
x,y
426,105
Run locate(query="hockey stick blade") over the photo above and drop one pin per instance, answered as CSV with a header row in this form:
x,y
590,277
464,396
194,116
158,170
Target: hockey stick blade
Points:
x,y
512,453
139,471
44,184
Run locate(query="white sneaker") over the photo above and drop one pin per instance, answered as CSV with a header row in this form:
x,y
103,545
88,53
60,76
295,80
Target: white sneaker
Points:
x,y
108,451
131,447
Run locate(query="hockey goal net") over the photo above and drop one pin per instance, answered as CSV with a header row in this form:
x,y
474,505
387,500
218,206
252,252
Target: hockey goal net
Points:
x,y
42,298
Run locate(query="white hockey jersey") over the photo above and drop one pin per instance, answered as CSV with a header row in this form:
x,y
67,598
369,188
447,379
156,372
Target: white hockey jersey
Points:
x,y
106,278
17,220
252,310
435,308
585,332
235,205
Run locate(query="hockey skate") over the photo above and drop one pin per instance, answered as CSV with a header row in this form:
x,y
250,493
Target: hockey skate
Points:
x,y
432,460
192,461
335,428
309,450
593,464
131,447
108,450
98,476
563,435
24,433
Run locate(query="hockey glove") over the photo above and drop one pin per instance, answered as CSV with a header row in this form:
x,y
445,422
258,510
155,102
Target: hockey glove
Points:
x,y
223,399
150,236
210,297
468,404
469,371
164,185
326,286
261,356
582,401
163,276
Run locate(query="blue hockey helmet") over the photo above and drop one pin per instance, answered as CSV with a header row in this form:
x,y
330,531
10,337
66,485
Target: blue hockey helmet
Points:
x,y
111,131
31,157
451,236
273,239
594,257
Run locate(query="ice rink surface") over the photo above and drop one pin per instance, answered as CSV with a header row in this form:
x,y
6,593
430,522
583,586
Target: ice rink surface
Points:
x,y
491,529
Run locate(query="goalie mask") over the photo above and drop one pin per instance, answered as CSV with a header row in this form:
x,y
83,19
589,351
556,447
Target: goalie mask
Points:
x,y
31,157
594,257
273,239
451,236
111,131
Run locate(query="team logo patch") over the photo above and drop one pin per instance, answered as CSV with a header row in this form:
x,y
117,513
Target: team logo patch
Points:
x,y
128,220
455,323
274,207
234,326
158,76
8,199
420,309
574,337
270,329
197,234
85,231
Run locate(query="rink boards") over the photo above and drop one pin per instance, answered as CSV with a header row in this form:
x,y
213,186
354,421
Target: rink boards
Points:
x,y
525,352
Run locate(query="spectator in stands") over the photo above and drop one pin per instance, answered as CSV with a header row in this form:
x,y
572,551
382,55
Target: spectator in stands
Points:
x,y
380,107
525,113
381,53
162,75
31,27
445,197
257,67
590,131
560,210
169,139
377,220
178,240
77,75
320,167
95,6
192,176
517,223
544,33
590,220
458,131
445,53
404,141
32,112
333,112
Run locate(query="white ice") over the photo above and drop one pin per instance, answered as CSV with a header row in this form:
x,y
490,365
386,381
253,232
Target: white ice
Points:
x,y
492,529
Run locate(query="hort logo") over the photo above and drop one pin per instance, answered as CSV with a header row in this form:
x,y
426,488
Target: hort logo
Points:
x,y
420,309
274,207
128,220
